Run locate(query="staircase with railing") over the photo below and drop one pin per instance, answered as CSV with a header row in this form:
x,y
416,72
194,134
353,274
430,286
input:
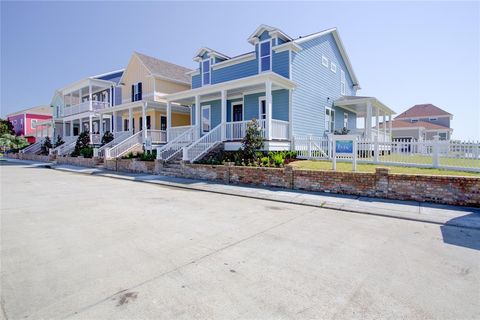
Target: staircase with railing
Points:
x,y
125,146
175,146
67,146
34,147
118,138
206,143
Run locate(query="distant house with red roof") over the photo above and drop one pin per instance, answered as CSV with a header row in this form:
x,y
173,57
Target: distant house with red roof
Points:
x,y
422,122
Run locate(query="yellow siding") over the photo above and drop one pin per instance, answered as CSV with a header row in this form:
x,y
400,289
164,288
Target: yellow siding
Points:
x,y
166,87
179,119
136,72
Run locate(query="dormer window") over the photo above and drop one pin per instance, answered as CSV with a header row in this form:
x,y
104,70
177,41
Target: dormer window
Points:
x,y
206,71
265,56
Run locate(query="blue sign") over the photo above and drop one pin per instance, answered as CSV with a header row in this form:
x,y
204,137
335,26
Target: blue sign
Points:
x,y
344,146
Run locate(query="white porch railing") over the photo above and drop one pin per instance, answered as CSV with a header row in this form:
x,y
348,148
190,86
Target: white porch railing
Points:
x,y
280,129
125,146
174,146
84,107
157,136
174,132
203,145
118,137
236,130
34,147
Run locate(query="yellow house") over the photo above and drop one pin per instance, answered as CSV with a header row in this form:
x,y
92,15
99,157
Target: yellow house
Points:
x,y
144,83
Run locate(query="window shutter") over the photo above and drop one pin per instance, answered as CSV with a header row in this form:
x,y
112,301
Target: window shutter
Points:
x,y
139,91
133,93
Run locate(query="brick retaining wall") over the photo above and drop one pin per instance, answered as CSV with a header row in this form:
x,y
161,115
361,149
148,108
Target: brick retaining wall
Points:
x,y
79,161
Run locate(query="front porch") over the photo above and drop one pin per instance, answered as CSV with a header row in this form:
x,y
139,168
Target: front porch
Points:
x,y
228,107
368,109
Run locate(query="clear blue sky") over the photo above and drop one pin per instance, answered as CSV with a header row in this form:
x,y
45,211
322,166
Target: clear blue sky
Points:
x,y
403,53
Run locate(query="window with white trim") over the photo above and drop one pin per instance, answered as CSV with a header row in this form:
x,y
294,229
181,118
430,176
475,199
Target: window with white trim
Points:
x,y
345,120
33,123
206,72
325,61
329,119
333,67
206,120
442,135
265,56
432,119
343,86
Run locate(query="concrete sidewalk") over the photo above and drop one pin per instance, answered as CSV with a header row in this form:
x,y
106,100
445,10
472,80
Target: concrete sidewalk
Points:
x,y
409,210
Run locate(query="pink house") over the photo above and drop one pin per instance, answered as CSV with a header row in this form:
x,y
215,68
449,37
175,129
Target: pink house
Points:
x,y
25,122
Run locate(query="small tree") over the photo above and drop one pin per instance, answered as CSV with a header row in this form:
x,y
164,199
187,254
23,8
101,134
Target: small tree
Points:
x,y
6,127
107,137
59,141
8,141
46,146
83,141
253,140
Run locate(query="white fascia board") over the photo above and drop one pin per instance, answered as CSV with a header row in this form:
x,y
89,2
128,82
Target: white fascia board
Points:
x,y
280,34
287,46
84,83
193,72
233,84
157,76
261,28
223,64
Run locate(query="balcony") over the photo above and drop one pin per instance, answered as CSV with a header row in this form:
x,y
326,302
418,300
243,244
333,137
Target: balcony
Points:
x,y
85,107
236,130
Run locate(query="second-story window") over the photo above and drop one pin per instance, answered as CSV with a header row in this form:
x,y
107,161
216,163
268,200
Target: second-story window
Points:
x,y
343,86
265,56
206,71
137,91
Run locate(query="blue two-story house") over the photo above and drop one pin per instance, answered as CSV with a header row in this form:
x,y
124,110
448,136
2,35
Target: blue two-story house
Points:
x,y
294,87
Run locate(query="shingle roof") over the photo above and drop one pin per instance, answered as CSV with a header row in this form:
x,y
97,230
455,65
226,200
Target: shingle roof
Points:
x,y
165,69
419,124
423,110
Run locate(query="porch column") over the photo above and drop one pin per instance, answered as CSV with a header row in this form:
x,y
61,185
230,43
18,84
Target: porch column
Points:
x,y
130,120
268,105
224,114
64,129
384,126
90,97
377,122
169,119
197,117
390,125
368,127
100,126
111,122
110,96
90,126
144,121
71,128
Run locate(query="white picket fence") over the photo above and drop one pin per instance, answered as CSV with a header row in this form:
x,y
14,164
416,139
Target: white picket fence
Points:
x,y
454,155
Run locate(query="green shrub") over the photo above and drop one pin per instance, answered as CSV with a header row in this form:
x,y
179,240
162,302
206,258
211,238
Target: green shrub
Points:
x,y
148,156
253,140
83,141
59,141
46,146
87,152
107,137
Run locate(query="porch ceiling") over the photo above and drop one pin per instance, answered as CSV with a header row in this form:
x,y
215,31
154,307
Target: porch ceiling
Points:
x,y
162,106
232,88
358,105
97,85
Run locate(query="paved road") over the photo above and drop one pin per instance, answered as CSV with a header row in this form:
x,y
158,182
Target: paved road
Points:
x,y
86,247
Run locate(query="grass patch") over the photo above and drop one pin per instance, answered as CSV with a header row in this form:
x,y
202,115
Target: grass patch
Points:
x,y
325,165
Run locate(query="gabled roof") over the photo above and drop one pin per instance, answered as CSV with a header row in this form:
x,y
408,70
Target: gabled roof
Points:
x,y
39,110
271,30
423,110
211,52
402,124
162,69
340,45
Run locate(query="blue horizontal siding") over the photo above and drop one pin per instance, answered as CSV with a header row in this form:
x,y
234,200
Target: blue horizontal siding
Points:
x,y
280,105
280,63
215,111
236,71
196,81
317,85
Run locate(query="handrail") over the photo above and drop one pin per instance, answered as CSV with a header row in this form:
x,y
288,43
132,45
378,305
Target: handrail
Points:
x,y
174,132
68,146
157,136
125,145
121,136
34,146
169,150
204,144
